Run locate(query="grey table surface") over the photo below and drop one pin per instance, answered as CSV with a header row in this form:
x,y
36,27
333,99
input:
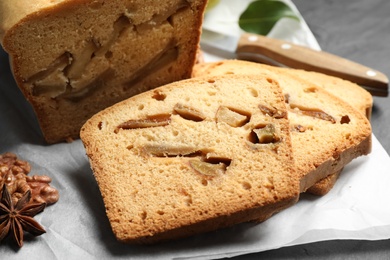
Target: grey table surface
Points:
x,y
358,30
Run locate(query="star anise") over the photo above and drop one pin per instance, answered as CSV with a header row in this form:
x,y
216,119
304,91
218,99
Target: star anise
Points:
x,y
15,219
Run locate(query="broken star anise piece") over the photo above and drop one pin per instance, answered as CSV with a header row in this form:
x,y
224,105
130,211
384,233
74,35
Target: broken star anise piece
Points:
x,y
15,219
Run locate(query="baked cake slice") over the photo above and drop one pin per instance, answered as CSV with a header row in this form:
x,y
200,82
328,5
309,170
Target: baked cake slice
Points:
x,y
193,156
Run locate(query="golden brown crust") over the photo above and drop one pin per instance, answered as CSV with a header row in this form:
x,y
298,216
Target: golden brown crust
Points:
x,y
13,12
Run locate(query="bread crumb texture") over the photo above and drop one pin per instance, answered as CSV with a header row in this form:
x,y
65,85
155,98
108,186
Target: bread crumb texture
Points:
x,y
193,156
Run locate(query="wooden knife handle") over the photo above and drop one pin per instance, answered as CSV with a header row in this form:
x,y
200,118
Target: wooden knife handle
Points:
x,y
300,57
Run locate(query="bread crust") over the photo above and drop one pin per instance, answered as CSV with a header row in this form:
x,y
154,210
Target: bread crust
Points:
x,y
322,187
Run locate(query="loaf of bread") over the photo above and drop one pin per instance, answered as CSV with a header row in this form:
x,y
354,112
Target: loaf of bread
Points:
x,y
327,133
73,58
193,156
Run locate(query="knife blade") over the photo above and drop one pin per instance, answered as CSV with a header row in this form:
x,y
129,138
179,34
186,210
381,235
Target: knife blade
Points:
x,y
277,52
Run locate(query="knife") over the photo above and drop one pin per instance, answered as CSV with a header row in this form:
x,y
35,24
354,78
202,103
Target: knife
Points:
x,y
276,52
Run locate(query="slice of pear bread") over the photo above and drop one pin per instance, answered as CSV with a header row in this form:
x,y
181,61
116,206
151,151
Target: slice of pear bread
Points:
x,y
349,92
327,133
193,156
73,58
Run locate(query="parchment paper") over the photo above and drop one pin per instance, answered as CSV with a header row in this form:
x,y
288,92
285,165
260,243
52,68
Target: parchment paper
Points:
x,y
77,227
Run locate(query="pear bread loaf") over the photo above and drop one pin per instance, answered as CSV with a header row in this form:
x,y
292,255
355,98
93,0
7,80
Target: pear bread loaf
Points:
x,y
326,132
73,58
193,156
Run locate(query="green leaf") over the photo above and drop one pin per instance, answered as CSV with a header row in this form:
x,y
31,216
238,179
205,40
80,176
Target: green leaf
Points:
x,y
261,16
